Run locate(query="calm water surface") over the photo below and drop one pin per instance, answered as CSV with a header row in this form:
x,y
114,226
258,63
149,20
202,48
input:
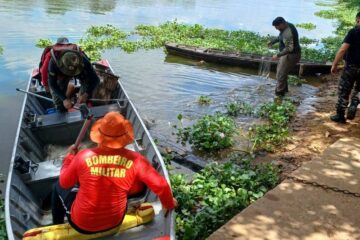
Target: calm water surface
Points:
x,y
161,86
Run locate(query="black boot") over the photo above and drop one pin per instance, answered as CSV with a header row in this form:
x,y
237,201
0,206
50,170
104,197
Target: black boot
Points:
x,y
339,117
351,113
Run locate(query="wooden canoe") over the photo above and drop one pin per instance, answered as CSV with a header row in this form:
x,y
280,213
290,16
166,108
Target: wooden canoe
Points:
x,y
41,142
242,59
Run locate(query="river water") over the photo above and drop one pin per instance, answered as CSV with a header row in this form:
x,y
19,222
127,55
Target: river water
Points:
x,y
161,86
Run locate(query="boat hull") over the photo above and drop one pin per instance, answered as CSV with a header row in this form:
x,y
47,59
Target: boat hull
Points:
x,y
243,60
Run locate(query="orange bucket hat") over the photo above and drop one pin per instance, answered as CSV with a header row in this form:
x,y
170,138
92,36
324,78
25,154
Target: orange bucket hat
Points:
x,y
112,131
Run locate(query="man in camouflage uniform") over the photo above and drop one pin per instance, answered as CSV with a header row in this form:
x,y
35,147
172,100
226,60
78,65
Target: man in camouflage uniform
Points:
x,y
289,53
350,52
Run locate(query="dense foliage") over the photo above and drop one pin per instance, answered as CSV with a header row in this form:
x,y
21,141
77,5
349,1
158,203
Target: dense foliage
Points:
x,y
344,11
242,41
209,133
99,38
216,194
307,26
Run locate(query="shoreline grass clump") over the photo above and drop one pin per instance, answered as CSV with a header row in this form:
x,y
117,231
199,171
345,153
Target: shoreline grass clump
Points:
x,y
216,194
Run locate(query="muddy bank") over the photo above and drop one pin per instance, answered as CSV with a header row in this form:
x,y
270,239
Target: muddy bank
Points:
x,y
313,131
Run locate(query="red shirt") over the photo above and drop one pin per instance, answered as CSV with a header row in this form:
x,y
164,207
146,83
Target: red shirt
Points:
x,y
105,177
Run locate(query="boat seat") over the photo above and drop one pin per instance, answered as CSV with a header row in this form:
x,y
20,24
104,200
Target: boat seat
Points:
x,y
63,128
143,214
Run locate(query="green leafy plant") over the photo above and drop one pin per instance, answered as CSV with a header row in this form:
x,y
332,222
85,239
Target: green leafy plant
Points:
x,y
204,100
268,136
43,43
307,26
307,41
295,80
277,113
209,133
216,194
238,107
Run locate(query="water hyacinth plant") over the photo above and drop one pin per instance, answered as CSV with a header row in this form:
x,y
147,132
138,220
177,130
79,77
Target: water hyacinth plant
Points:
x,y
268,136
238,107
307,26
216,194
204,100
209,133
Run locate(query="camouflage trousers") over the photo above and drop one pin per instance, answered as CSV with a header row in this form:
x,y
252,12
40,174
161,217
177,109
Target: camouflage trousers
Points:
x,y
349,78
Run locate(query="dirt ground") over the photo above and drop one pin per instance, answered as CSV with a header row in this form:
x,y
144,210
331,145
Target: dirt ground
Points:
x,y
313,131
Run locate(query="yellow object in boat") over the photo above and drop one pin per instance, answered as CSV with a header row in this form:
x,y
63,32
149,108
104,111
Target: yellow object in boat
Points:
x,y
144,214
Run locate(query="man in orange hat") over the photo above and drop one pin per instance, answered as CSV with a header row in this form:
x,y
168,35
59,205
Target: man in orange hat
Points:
x,y
94,183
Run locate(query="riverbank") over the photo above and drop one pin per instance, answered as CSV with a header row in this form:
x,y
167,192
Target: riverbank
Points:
x,y
312,131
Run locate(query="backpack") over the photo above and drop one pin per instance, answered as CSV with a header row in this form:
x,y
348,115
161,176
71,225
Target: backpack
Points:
x,y
52,53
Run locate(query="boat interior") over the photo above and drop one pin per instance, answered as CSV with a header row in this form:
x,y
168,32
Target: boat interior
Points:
x,y
42,143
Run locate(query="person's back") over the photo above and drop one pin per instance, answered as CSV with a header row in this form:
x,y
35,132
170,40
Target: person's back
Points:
x,y
105,175
352,56
52,53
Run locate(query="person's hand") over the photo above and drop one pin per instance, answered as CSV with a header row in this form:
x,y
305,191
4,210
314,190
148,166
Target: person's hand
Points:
x,y
73,150
269,44
167,210
47,89
333,69
175,204
83,98
67,103
274,57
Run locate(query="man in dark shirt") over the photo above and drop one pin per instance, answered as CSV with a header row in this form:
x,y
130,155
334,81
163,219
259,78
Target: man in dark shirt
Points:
x,y
289,53
350,52
70,64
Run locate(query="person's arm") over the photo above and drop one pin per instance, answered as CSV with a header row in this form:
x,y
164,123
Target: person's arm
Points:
x,y
339,56
52,69
272,42
157,183
68,173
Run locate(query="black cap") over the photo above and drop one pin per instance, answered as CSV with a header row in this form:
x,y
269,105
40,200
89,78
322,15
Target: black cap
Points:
x,y
277,21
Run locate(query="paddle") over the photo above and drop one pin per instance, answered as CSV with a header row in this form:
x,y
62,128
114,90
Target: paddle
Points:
x,y
34,94
39,96
85,113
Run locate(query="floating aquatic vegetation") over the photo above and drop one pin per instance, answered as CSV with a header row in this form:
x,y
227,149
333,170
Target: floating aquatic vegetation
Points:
x,y
307,26
204,100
